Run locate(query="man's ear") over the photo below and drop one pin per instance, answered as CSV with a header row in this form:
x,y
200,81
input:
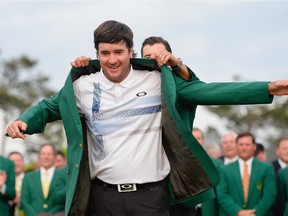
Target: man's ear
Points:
x,y
131,53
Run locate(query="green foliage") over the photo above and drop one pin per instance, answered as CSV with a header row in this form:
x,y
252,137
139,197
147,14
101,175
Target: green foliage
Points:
x,y
268,121
22,85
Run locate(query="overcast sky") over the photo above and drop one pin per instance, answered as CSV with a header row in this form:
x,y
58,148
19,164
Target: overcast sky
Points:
x,y
217,39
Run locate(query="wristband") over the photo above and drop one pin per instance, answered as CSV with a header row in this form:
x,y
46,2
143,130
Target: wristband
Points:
x,y
175,68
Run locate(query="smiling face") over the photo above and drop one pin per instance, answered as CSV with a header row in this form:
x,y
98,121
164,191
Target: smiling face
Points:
x,y
114,60
18,162
282,150
228,145
46,156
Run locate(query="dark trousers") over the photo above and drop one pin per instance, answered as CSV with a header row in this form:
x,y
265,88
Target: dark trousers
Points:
x,y
152,200
181,210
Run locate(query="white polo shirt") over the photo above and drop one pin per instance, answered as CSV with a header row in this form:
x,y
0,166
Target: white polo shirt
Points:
x,y
124,127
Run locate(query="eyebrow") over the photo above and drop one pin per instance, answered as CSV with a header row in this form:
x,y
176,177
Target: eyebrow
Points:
x,y
147,56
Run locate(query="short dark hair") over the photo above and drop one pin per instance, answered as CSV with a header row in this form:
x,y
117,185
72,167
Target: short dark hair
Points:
x,y
154,40
259,148
61,154
112,31
246,134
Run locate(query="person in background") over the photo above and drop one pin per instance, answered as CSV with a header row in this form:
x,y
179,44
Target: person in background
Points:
x,y
260,152
214,150
18,160
228,146
280,163
60,160
40,188
7,185
283,189
210,207
247,186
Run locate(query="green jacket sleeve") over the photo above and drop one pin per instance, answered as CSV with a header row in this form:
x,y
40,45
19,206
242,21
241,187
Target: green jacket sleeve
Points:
x,y
37,116
197,92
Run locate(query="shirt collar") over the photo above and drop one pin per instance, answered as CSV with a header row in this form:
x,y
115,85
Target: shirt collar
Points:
x,y
51,170
248,162
282,163
227,160
127,82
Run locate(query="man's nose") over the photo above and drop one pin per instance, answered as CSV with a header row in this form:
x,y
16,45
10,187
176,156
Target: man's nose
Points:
x,y
112,59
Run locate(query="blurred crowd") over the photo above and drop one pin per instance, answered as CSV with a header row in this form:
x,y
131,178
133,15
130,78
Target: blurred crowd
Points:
x,y
42,191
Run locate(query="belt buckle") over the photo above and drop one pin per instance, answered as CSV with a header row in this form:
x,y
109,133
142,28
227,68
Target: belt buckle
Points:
x,y
126,187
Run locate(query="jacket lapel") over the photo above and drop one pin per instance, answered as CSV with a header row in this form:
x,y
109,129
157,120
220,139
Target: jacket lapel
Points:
x,y
238,179
253,178
38,183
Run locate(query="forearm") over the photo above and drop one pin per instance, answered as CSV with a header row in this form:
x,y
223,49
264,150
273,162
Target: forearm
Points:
x,y
37,116
181,70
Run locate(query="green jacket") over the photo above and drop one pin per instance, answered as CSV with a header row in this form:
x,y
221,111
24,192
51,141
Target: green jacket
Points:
x,y
32,199
283,182
7,166
193,174
261,194
211,207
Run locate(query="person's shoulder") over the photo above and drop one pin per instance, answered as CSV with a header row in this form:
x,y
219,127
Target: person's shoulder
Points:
x,y
263,164
6,160
284,171
217,162
32,173
230,166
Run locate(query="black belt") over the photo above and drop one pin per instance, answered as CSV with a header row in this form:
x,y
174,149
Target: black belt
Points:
x,y
129,187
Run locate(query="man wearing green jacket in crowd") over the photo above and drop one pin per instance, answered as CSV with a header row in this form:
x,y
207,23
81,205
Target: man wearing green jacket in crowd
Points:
x,y
7,184
134,135
247,186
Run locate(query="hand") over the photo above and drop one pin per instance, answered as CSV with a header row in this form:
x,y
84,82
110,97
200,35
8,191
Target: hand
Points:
x,y
165,58
278,88
3,177
17,199
81,61
247,212
16,129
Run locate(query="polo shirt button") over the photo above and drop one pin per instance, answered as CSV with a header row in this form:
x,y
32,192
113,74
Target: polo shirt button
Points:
x,y
77,166
45,206
81,145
